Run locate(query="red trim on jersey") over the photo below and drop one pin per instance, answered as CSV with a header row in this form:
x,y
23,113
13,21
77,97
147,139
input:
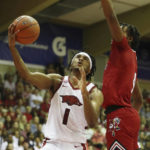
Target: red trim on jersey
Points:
x,y
88,83
92,88
57,88
71,84
83,145
45,141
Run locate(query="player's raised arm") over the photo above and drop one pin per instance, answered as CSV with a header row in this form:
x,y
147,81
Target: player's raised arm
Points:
x,y
38,79
112,20
92,101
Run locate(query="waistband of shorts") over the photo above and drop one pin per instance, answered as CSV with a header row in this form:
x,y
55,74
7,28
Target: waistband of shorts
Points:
x,y
112,108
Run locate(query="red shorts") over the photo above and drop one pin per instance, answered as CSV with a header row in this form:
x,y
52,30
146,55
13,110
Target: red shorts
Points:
x,y
122,129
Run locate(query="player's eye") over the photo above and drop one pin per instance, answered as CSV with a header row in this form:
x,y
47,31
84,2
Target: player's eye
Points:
x,y
85,58
78,56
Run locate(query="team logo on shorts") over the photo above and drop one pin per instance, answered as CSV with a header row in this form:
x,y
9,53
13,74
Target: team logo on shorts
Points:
x,y
114,125
117,146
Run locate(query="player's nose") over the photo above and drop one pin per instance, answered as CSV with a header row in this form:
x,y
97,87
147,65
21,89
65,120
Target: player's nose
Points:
x,y
81,58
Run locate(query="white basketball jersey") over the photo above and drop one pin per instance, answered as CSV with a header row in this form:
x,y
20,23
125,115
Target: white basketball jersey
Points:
x,y
66,120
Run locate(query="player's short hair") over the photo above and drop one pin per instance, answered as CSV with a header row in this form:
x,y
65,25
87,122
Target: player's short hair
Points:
x,y
134,33
93,69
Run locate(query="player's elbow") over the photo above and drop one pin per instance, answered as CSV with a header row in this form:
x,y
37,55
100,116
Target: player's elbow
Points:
x,y
137,104
24,74
92,125
93,122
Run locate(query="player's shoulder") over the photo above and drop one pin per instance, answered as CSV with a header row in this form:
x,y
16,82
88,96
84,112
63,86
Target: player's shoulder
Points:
x,y
92,88
121,45
55,78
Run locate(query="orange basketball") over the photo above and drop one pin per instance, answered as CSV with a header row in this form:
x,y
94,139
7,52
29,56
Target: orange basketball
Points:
x,y
29,29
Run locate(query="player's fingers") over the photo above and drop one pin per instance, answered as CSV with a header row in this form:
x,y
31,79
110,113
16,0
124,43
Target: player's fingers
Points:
x,y
75,80
81,69
9,28
17,32
12,28
82,72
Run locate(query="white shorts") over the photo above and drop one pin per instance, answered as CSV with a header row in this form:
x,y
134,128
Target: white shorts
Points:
x,y
59,145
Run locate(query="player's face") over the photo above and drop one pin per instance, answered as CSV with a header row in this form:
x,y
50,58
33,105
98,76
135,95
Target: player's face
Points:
x,y
81,60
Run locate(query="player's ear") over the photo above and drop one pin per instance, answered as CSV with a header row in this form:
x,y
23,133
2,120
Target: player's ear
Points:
x,y
130,39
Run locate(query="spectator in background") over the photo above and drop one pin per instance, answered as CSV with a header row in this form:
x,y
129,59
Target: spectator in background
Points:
x,y
10,146
34,124
28,129
27,91
38,143
21,142
22,122
8,124
15,126
3,114
1,88
44,107
147,144
28,113
21,105
31,140
25,145
19,90
35,100
11,112
10,99
9,84
15,137
50,68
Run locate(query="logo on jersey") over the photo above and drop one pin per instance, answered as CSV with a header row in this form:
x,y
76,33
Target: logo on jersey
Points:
x,y
70,100
117,146
114,125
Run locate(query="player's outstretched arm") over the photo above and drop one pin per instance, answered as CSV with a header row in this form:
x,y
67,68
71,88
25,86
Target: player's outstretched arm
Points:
x,y
38,79
112,20
137,97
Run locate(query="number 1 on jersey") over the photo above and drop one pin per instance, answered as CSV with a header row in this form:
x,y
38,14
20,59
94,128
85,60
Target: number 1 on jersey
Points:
x,y
66,115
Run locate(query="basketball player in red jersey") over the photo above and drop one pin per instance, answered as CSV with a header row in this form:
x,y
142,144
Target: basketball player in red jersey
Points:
x,y
120,83
75,103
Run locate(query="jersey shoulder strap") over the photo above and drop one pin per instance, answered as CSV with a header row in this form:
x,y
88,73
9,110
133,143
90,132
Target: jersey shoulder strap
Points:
x,y
90,87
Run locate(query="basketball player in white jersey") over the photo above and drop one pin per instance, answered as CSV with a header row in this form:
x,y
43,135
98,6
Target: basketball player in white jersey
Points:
x,y
75,103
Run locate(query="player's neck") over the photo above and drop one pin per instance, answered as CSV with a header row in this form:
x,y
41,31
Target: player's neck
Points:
x,y
76,73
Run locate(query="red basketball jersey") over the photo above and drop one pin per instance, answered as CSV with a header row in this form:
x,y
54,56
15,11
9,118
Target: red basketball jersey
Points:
x,y
119,75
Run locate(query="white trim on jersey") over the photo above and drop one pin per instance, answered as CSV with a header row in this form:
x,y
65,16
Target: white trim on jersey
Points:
x,y
117,145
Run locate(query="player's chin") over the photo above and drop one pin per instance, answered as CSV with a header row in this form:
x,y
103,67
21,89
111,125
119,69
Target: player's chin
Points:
x,y
75,68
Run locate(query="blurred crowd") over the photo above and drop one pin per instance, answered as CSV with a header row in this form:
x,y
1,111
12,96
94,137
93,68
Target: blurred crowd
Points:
x,y
24,110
